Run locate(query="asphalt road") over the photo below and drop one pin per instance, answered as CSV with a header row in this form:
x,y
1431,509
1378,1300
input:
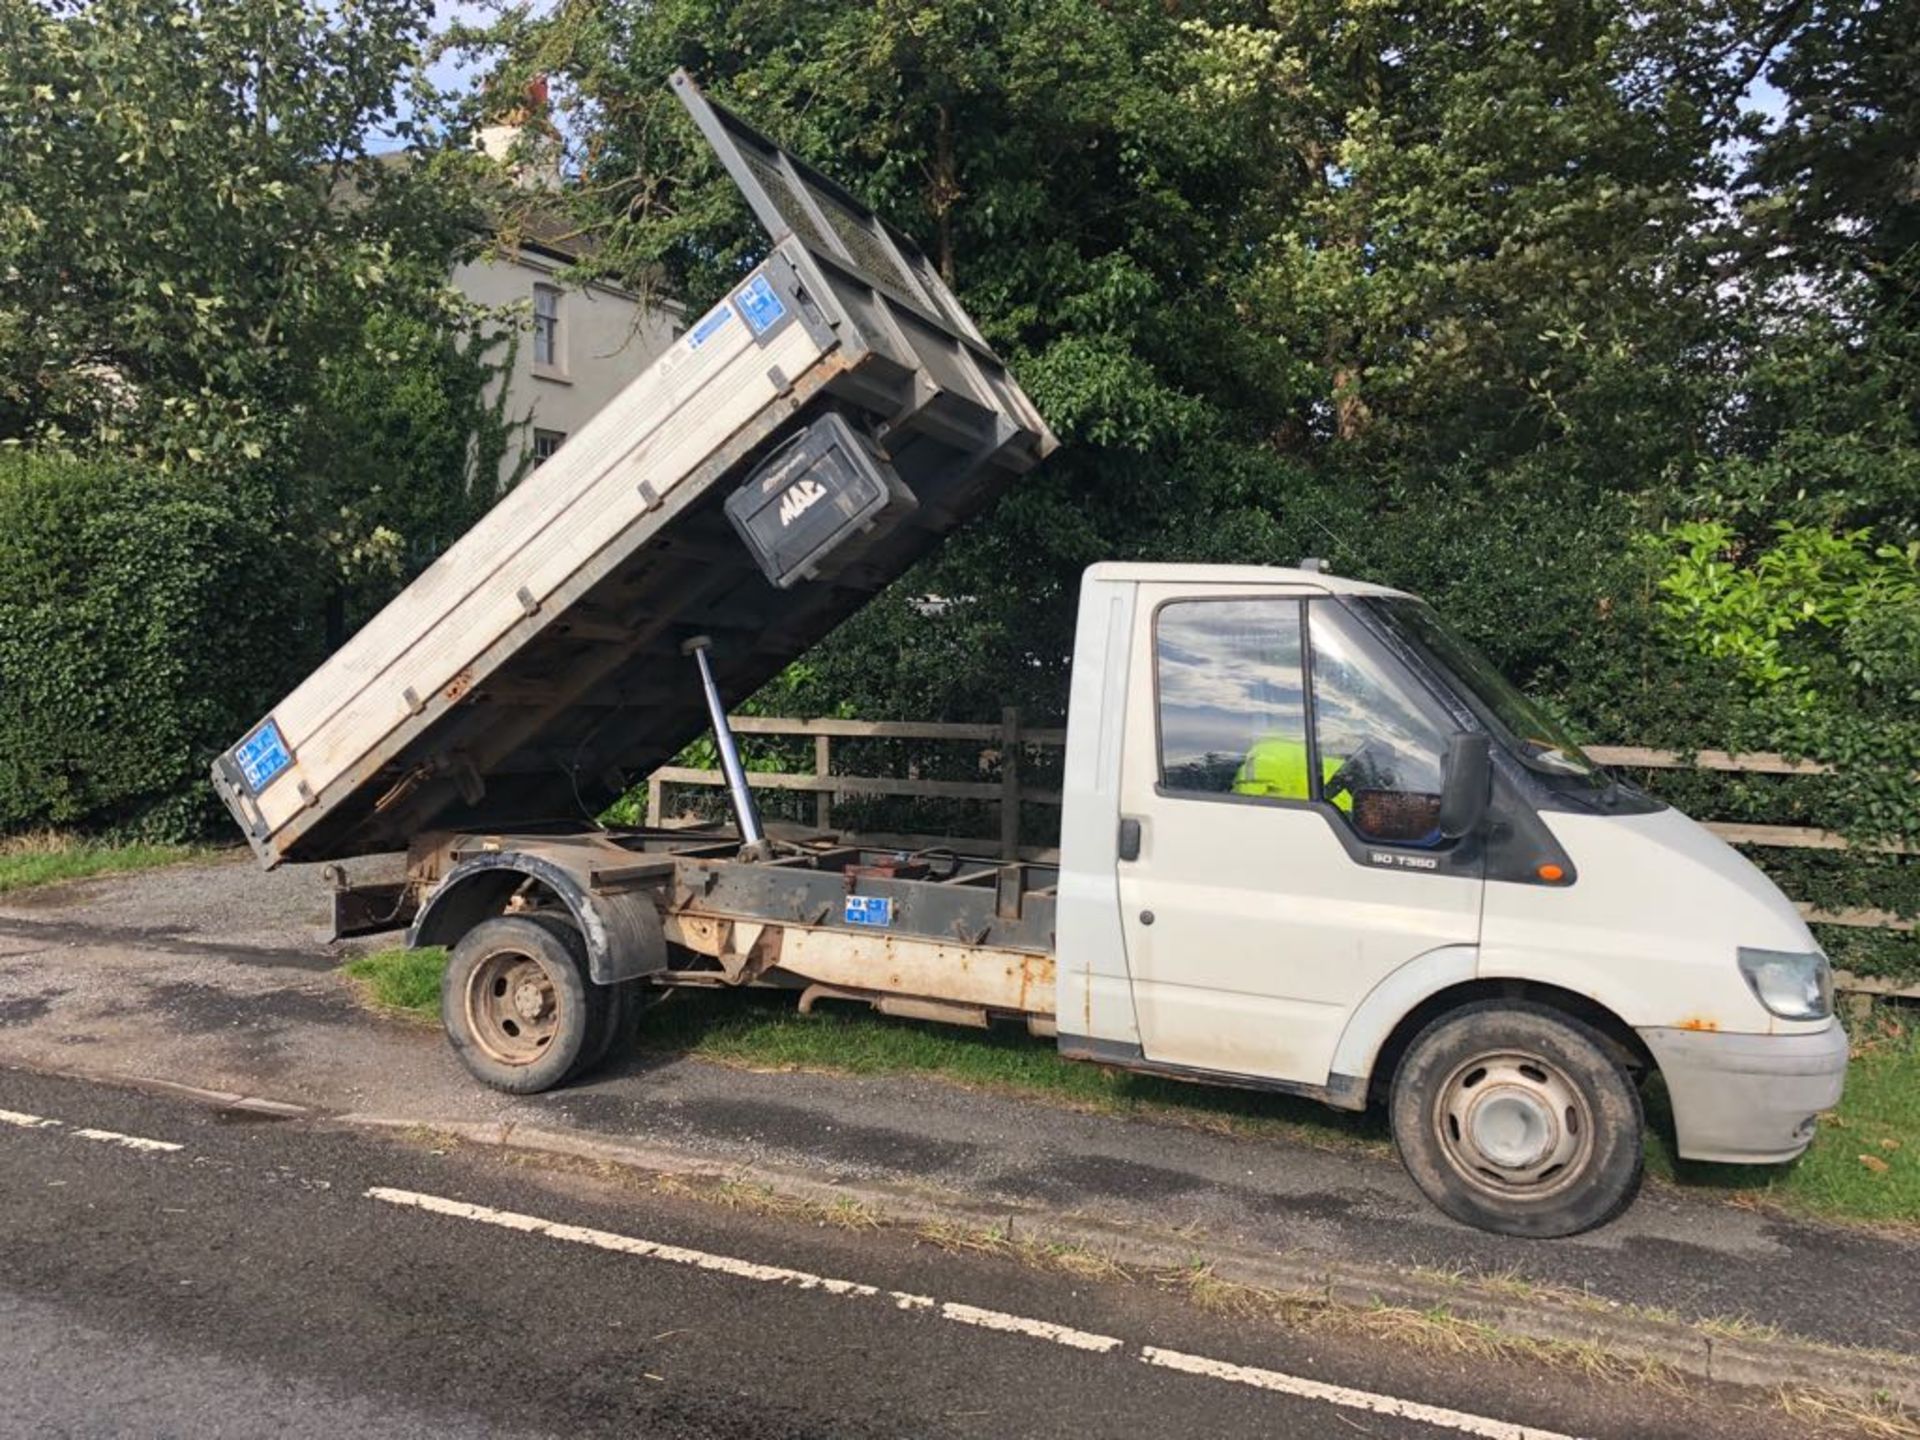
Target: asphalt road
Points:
x,y
218,975
171,1269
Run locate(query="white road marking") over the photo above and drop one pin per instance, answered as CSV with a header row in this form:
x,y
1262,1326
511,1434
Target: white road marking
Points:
x,y
1344,1397
1021,1325
1275,1381
747,1269
111,1137
131,1142
1480,1426
622,1244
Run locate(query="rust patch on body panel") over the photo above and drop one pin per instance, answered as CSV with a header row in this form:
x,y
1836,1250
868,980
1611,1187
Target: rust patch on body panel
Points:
x,y
1003,981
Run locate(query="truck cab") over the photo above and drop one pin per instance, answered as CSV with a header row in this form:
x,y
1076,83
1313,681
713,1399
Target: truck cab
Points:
x,y
1313,841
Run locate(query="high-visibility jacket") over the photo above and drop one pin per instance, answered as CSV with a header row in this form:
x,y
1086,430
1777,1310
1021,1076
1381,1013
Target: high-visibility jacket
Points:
x,y
1277,766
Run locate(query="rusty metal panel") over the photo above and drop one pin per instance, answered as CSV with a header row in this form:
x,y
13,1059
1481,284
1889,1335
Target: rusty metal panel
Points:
x,y
999,980
873,967
968,915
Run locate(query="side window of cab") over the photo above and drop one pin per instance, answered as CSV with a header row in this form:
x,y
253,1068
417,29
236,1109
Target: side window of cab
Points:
x,y
1230,684
1256,695
1381,739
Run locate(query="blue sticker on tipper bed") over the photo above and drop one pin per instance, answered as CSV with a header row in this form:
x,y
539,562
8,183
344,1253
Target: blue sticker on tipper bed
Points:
x,y
869,910
705,330
760,305
261,756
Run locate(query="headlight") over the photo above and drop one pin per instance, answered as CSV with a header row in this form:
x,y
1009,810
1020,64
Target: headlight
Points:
x,y
1793,984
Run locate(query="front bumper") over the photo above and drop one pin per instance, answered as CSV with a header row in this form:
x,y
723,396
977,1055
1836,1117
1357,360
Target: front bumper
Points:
x,y
1748,1099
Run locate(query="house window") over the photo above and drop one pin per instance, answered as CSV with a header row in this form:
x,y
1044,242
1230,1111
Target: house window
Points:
x,y
545,443
547,353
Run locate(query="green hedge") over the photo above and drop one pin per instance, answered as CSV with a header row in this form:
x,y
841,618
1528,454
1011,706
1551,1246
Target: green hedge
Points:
x,y
145,620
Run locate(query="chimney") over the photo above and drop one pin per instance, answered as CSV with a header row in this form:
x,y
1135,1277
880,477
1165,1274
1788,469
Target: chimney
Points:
x,y
525,140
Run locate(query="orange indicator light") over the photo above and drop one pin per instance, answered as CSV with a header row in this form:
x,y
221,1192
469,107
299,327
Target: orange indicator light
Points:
x,y
1552,874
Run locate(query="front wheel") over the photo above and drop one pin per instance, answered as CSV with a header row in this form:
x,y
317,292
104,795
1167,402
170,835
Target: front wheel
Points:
x,y
1517,1119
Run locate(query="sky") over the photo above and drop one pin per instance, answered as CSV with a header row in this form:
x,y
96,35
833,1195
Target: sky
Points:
x,y
449,73
1766,100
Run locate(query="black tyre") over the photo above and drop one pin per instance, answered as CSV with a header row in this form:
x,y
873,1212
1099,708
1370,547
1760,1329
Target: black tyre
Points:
x,y
1514,1118
631,1000
612,1021
517,1005
607,1005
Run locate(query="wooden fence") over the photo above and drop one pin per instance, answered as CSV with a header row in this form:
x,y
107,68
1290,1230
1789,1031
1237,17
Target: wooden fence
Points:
x,y
1002,745
1005,790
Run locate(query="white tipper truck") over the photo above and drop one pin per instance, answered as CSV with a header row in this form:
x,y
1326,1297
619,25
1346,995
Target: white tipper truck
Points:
x,y
1311,842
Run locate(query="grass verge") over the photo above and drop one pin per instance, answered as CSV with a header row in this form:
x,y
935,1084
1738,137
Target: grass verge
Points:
x,y
1863,1169
47,858
401,979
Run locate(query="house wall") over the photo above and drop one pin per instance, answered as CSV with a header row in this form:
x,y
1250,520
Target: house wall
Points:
x,y
607,337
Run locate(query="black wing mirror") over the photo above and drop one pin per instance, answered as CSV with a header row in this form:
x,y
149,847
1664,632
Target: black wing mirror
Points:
x,y
1467,790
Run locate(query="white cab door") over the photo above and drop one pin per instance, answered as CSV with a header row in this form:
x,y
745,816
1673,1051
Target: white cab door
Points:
x,y
1283,771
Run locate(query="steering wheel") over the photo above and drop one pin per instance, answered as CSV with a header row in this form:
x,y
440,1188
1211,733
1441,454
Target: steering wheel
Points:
x,y
1359,767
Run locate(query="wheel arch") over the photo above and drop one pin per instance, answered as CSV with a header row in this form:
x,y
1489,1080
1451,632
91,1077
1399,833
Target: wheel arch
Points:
x,y
1383,1025
623,934
1618,1036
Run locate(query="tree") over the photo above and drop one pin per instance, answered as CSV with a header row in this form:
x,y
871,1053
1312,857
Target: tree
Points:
x,y
199,246
1298,278
1833,190
400,454
1796,558
189,216
240,322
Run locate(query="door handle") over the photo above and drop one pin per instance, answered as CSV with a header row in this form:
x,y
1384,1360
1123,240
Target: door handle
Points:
x,y
1129,838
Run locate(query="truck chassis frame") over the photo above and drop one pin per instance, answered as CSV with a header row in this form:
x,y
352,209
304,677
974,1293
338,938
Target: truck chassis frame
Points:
x,y
931,935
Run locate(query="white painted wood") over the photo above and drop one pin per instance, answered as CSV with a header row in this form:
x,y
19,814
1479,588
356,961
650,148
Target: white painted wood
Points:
x,y
1801,837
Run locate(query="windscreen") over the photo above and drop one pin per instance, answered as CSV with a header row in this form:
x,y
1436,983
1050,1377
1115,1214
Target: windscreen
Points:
x,y
1536,736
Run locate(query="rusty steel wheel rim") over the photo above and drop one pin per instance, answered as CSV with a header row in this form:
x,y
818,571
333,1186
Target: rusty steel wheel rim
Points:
x,y
512,1007
1514,1125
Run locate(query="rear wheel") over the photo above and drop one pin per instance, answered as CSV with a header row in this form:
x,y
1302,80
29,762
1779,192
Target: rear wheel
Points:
x,y
1517,1119
518,1006
611,1008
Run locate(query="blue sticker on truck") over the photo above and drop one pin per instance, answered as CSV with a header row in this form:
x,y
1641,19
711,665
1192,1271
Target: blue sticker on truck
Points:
x,y
261,756
869,910
710,325
760,305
